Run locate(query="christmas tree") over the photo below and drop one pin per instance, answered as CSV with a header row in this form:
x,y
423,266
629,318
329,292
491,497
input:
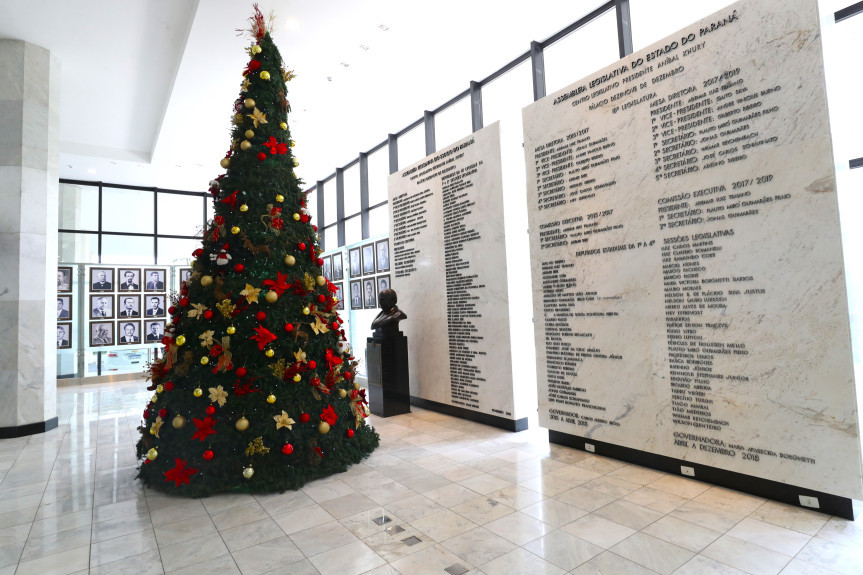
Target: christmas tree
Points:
x,y
256,390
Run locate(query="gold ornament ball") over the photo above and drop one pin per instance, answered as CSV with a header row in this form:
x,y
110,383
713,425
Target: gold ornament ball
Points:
x,y
197,392
305,311
225,163
283,126
152,431
238,119
324,427
249,134
235,230
248,472
152,454
280,198
245,145
231,330
290,260
296,162
291,143
256,49
249,103
271,296
357,385
160,388
181,339
207,281
296,217
242,424
321,280
265,75
343,393
244,208
269,353
271,399
205,360
298,377
154,399
179,422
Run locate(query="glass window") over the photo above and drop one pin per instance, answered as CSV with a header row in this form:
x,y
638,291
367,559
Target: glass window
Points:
x,y
379,171
412,146
507,95
180,215
650,24
79,248
176,252
840,41
453,124
353,230
79,207
127,249
586,50
329,201
312,206
352,190
331,238
379,221
127,211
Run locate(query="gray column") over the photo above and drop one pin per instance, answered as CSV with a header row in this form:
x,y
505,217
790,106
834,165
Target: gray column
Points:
x,y
29,188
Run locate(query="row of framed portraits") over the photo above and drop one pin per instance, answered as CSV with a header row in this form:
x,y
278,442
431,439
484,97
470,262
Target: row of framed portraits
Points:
x,y
123,332
366,291
103,279
108,306
368,259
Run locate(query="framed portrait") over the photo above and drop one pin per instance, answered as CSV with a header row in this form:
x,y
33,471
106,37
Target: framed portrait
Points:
x,y
64,336
370,296
356,294
101,333
154,280
185,274
354,258
154,330
101,279
383,283
154,305
129,332
128,305
101,306
328,267
64,279
129,278
340,295
338,267
64,307
382,255
368,259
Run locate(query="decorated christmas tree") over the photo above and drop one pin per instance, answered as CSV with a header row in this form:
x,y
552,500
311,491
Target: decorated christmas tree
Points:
x,y
256,390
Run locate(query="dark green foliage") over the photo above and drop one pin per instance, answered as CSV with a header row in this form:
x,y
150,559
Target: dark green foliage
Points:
x,y
261,248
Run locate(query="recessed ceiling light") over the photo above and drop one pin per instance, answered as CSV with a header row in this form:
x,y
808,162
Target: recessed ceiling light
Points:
x,y
384,27
292,24
364,47
329,78
344,64
91,171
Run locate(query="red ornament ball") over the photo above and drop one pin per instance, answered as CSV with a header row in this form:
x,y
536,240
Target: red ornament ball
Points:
x,y
320,261
335,325
321,298
172,310
260,316
163,412
304,418
312,364
301,246
239,268
184,301
314,227
287,449
241,372
208,455
349,433
304,218
208,314
210,410
289,327
262,156
348,375
169,385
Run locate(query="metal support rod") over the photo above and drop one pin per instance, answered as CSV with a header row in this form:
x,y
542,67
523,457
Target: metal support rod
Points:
x,y
364,194
428,120
393,144
624,27
340,206
537,62
476,106
319,192
848,12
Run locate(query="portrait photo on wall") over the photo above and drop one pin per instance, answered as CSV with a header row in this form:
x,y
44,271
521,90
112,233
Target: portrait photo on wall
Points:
x,y
154,305
101,279
101,306
328,267
382,253
338,266
357,295
370,299
130,279
383,283
64,307
154,330
368,259
155,280
354,258
128,305
64,335
130,332
64,280
185,274
340,295
101,333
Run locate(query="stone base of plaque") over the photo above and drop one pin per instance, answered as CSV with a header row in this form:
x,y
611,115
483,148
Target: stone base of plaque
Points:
x,y
790,494
470,415
389,380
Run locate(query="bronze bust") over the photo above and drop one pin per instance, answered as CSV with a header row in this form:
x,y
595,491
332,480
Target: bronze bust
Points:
x,y
387,321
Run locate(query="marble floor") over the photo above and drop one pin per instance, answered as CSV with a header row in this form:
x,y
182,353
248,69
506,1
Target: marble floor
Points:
x,y
441,495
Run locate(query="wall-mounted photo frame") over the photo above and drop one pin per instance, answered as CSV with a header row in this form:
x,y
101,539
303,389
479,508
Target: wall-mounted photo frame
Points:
x,y
101,306
338,266
185,274
383,283
101,333
370,296
64,336
354,259
382,255
154,305
154,330
128,306
339,295
154,280
129,278
129,332
101,279
356,294
328,267
64,308
368,259
64,279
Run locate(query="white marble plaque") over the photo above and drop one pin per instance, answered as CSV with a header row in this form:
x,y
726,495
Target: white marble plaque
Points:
x,y
686,248
449,270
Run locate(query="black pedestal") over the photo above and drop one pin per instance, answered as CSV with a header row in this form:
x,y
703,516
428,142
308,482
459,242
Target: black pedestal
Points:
x,y
389,381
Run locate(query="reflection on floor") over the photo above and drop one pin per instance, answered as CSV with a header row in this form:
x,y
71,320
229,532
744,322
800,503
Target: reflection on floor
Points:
x,y
441,495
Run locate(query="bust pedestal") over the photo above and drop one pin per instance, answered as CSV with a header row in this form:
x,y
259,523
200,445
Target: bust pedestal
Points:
x,y
387,366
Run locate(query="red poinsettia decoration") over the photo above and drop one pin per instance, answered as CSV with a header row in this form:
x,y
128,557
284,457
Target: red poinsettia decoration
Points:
x,y
241,389
275,146
205,428
332,359
180,473
263,336
329,415
278,285
231,200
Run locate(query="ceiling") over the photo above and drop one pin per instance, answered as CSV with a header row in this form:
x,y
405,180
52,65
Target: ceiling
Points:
x,y
147,87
